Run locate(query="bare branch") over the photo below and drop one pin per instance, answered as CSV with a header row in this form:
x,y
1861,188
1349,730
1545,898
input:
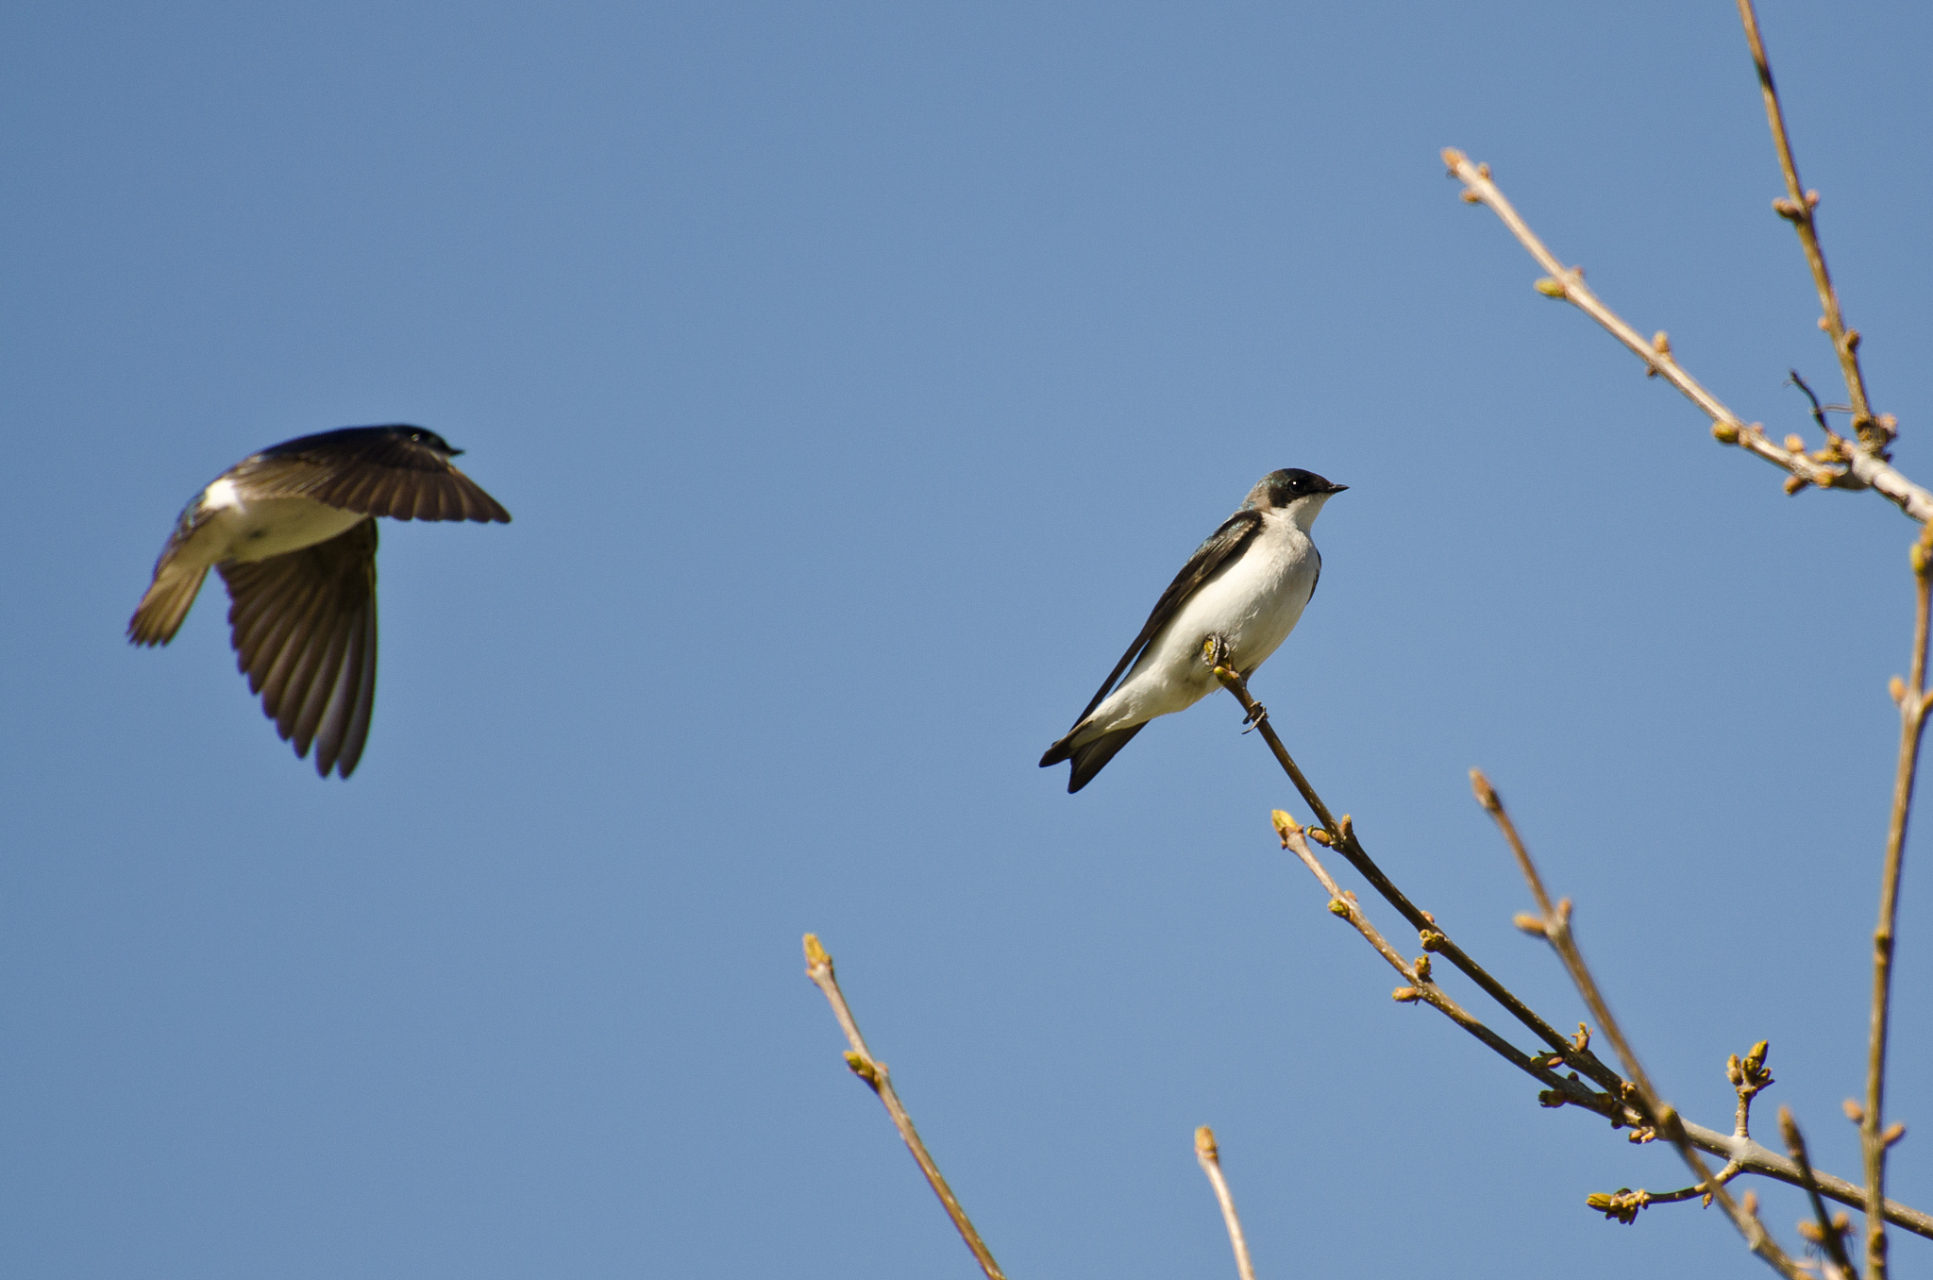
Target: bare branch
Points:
x,y
1557,930
1210,1157
1832,1233
1799,207
1562,1090
1419,985
1833,467
818,967
1913,705
1341,836
1754,1158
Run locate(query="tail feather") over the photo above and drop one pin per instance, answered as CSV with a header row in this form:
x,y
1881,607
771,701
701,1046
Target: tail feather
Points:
x,y
159,615
1089,757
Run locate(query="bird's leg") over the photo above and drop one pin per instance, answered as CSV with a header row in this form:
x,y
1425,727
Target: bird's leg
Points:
x,y
1255,714
1214,650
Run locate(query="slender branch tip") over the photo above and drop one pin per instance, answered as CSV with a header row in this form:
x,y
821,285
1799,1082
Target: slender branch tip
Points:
x,y
815,955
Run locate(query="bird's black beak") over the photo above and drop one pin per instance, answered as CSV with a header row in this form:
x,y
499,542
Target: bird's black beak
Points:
x,y
1335,488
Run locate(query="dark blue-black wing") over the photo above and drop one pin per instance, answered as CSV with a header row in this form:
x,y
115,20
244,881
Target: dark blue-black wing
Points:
x,y
1221,549
402,472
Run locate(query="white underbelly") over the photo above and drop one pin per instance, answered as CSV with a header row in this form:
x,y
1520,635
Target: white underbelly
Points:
x,y
1252,607
276,526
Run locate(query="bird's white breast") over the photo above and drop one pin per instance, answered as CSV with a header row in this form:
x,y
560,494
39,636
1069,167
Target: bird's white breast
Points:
x,y
228,526
1253,604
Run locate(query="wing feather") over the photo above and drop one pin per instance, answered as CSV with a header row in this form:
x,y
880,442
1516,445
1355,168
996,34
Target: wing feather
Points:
x,y
398,471
1221,549
304,629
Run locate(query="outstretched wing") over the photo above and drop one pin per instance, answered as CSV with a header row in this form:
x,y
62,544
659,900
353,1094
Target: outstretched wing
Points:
x,y
1221,548
304,627
398,471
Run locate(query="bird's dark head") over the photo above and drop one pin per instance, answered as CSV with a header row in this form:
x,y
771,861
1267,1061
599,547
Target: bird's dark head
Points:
x,y
418,435
1279,490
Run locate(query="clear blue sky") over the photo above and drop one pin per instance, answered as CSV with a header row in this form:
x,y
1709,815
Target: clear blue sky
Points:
x,y
858,375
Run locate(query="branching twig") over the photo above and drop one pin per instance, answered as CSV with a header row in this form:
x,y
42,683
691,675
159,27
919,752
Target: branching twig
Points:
x,y
1556,921
818,967
1341,836
1832,467
1211,1164
1749,1078
1419,985
1749,1155
1799,207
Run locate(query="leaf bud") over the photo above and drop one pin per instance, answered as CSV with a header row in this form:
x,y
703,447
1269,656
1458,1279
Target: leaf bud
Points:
x,y
864,1068
815,955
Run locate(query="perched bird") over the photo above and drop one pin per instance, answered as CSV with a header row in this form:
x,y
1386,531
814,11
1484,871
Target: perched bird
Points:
x,y
292,531
1245,586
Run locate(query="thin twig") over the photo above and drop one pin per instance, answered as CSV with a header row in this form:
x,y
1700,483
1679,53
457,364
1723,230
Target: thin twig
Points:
x,y
818,967
1800,208
1418,985
1831,1238
1341,836
1557,930
1751,1156
1211,1164
1832,467
1913,705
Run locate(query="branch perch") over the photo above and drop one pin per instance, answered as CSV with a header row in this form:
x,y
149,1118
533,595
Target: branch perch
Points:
x,y
818,967
1734,1148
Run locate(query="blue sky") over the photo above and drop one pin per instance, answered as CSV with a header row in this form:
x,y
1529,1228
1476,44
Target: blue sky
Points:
x,y
858,375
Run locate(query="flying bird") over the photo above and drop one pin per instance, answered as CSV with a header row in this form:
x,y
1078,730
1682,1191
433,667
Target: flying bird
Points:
x,y
1246,586
292,531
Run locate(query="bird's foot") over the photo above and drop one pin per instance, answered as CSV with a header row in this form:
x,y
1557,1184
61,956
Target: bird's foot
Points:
x,y
1257,713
